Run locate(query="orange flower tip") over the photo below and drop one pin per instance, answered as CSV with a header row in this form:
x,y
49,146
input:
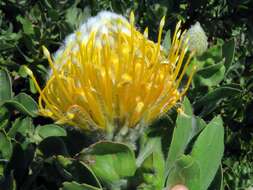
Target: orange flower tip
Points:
x,y
126,79
79,35
132,19
28,71
46,113
181,112
186,40
162,22
178,33
145,34
194,68
68,117
179,24
139,107
165,61
45,51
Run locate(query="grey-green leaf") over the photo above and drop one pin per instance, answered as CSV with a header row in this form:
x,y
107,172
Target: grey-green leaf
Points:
x,y
23,103
208,151
147,150
78,171
110,161
28,102
181,135
153,161
5,146
211,75
167,42
50,130
228,51
216,95
217,183
5,86
22,126
26,24
77,186
185,171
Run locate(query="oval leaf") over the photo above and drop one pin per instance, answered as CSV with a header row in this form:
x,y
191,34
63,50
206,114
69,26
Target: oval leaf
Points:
x,y
5,86
23,103
50,130
5,146
186,171
208,151
181,135
210,76
78,186
28,102
154,162
77,171
216,95
22,126
228,51
110,161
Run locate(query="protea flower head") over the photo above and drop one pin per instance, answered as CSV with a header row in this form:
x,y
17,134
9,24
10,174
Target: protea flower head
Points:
x,y
109,76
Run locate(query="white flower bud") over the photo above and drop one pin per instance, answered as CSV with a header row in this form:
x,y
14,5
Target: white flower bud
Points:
x,y
197,39
104,23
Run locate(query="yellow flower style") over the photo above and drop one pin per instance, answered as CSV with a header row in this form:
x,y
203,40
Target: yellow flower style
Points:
x,y
109,75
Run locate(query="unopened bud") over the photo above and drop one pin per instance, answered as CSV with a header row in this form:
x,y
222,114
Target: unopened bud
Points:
x,y
197,39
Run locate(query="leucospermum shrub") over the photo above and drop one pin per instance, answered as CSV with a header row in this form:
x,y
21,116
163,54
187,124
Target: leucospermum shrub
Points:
x,y
108,78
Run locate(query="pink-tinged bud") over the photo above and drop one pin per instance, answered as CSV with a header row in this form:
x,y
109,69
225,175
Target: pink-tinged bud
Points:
x,y
179,187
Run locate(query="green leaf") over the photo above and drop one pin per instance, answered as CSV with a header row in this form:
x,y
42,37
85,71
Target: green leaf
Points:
x,y
23,103
181,135
28,102
5,86
1,171
77,186
110,161
214,52
156,164
228,51
216,95
22,71
22,126
147,150
217,183
8,40
208,71
74,16
4,123
211,75
50,130
186,171
4,117
167,42
26,24
208,151
32,86
77,171
5,146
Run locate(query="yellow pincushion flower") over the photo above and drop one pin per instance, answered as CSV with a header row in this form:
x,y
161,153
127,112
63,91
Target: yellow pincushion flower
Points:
x,y
108,75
